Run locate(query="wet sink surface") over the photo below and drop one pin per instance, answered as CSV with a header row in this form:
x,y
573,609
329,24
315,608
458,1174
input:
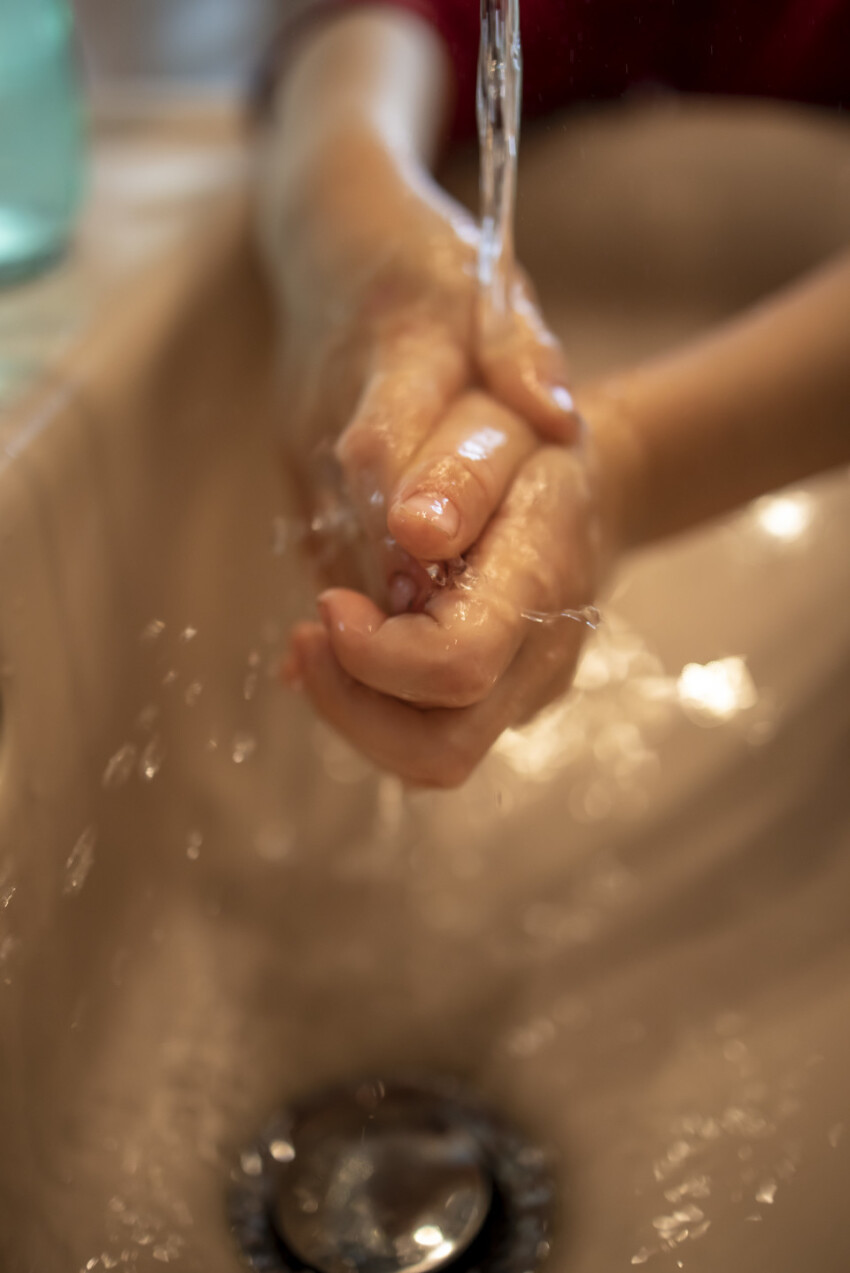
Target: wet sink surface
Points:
x,y
630,932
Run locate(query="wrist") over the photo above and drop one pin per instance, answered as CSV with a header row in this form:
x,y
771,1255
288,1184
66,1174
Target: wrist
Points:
x,y
618,464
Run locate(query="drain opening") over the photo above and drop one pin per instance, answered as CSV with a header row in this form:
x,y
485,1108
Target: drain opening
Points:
x,y
403,1177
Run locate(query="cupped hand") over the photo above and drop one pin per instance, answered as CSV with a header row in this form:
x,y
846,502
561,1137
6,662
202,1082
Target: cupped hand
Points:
x,y
425,695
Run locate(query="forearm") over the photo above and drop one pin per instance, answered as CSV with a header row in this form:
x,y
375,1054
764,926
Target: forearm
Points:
x,y
379,77
763,402
355,122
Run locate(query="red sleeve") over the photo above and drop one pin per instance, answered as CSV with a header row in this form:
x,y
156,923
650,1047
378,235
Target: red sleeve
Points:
x,y
586,50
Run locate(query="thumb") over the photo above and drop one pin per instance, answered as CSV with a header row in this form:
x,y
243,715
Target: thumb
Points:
x,y
523,365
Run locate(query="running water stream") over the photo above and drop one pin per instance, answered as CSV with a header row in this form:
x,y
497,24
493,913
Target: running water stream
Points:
x,y
499,104
499,110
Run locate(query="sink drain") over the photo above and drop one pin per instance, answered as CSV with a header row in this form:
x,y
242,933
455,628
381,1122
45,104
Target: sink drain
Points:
x,y
403,1177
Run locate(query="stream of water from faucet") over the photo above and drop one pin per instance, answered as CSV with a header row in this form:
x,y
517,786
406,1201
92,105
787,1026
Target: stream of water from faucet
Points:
x,y
499,111
499,103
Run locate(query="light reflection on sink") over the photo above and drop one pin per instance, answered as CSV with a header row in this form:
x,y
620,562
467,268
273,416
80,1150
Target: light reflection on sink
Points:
x,y
629,932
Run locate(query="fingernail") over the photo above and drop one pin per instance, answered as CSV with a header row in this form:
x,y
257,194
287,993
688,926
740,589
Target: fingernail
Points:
x,y
403,591
325,613
434,509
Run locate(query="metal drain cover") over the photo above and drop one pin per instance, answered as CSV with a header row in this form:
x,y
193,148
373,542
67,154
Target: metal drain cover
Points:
x,y
404,1177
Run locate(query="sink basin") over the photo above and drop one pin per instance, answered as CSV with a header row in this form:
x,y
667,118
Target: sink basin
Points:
x,y
629,932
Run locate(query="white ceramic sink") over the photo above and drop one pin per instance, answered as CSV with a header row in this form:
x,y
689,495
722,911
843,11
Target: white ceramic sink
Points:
x,y
630,931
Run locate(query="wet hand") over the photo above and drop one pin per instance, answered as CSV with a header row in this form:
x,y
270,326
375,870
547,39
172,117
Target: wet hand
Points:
x,y
376,267
425,695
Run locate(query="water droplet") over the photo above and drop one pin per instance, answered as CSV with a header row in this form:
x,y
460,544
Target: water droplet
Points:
x,y
193,845
7,890
767,1192
192,694
188,634
153,630
119,767
641,1256
282,1150
695,1187
80,862
170,677
835,1134
588,615
667,1225
151,760
249,686
147,717
244,746
251,1163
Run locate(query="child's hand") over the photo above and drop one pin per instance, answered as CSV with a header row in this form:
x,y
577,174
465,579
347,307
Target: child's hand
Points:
x,y
426,695
377,271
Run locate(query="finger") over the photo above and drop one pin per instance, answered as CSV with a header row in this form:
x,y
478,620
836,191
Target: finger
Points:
x,y
438,748
416,375
522,363
425,748
458,478
531,560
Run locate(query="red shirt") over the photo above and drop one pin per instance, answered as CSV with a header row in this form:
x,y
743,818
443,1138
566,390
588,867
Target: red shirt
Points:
x,y
592,50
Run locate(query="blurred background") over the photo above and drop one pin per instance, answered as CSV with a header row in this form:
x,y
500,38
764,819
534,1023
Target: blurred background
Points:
x,y
201,46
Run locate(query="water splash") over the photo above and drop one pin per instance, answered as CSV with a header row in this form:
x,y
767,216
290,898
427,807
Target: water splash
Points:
x,y
80,862
244,746
152,631
151,759
193,693
587,615
119,767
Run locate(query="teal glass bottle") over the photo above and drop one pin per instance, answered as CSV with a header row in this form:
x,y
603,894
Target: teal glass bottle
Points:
x,y
42,134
